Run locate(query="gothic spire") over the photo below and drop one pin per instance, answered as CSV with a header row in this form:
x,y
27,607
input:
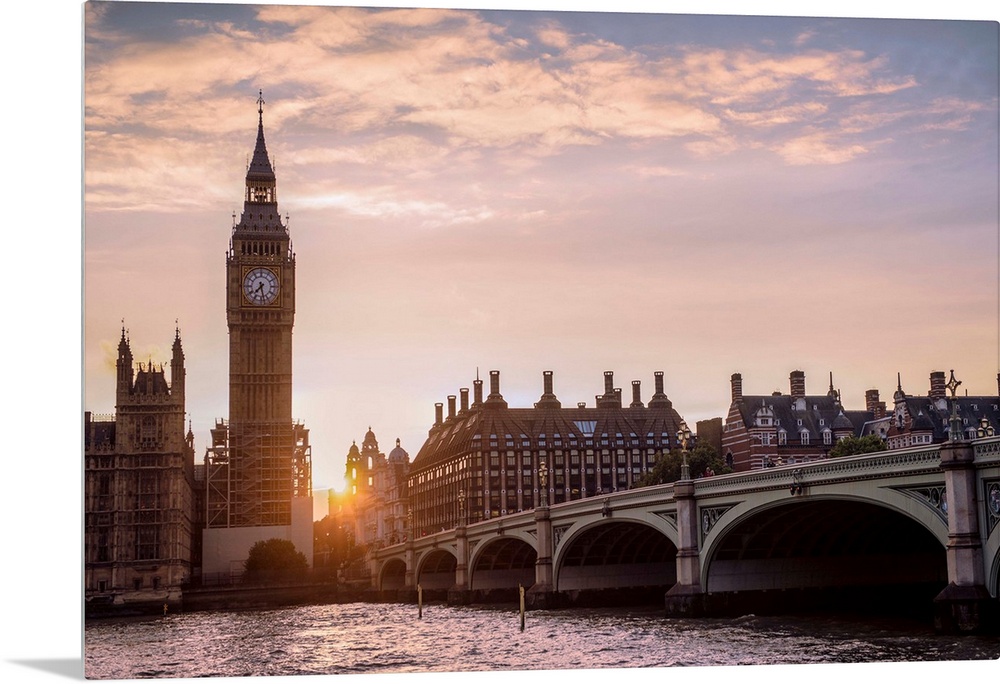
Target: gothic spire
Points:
x,y
260,164
178,351
123,343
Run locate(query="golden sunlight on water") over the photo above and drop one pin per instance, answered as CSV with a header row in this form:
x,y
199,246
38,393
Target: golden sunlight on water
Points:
x,y
372,638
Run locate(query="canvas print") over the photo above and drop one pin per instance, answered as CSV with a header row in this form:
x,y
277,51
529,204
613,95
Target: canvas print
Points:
x,y
492,340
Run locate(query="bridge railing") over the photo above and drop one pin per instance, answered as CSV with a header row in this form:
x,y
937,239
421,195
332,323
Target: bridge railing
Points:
x,y
829,470
987,450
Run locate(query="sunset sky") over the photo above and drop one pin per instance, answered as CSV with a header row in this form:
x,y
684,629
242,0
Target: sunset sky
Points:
x,y
528,191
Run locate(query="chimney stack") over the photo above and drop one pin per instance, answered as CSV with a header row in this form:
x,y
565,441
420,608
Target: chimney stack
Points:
x,y
736,382
797,384
937,385
477,385
636,395
464,405
871,400
548,399
451,406
873,404
609,381
438,413
659,399
495,398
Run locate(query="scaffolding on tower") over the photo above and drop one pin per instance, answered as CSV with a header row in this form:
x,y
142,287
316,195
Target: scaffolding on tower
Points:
x,y
254,471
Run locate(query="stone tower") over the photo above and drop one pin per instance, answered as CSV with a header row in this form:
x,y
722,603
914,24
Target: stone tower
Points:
x,y
258,466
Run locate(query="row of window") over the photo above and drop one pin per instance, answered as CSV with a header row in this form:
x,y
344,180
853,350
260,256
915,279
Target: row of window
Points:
x,y
260,248
765,438
542,442
495,483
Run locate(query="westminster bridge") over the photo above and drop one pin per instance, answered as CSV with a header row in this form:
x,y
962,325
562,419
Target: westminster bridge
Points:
x,y
914,528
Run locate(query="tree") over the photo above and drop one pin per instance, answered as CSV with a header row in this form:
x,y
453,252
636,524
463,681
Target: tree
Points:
x,y
274,560
667,467
850,446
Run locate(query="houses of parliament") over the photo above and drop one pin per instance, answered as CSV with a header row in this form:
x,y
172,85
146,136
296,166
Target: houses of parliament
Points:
x,y
154,521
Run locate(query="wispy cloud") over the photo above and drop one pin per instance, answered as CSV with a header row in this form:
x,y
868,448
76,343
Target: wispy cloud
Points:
x,y
818,148
432,85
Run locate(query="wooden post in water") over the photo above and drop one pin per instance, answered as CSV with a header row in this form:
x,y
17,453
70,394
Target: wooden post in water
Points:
x,y
420,601
520,590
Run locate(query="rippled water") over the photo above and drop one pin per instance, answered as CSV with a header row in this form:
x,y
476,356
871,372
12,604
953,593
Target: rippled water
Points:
x,y
372,638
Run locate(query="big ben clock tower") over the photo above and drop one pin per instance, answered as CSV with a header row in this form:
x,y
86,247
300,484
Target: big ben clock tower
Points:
x,y
258,466
260,301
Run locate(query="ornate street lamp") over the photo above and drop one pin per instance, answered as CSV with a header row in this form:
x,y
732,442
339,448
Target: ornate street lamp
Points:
x,y
461,507
955,424
683,435
985,429
543,472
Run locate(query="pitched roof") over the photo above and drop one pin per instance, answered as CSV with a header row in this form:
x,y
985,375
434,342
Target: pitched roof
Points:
x,y
810,413
542,425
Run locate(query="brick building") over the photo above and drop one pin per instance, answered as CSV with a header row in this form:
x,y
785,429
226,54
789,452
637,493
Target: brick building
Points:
x,y
483,460
763,430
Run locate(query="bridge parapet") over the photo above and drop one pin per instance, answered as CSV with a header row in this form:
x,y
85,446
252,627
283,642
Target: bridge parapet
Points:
x,y
912,461
987,451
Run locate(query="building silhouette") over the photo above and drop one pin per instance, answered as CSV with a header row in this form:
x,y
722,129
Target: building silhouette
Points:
x,y
377,492
258,465
141,519
485,459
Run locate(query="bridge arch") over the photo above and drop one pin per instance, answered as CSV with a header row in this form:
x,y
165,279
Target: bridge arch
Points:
x,y
392,575
618,552
502,563
840,547
991,559
435,569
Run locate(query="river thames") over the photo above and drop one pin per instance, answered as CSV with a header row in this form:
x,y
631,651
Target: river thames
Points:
x,y
363,638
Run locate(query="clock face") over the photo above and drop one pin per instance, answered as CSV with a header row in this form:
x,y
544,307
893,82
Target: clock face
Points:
x,y
260,286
